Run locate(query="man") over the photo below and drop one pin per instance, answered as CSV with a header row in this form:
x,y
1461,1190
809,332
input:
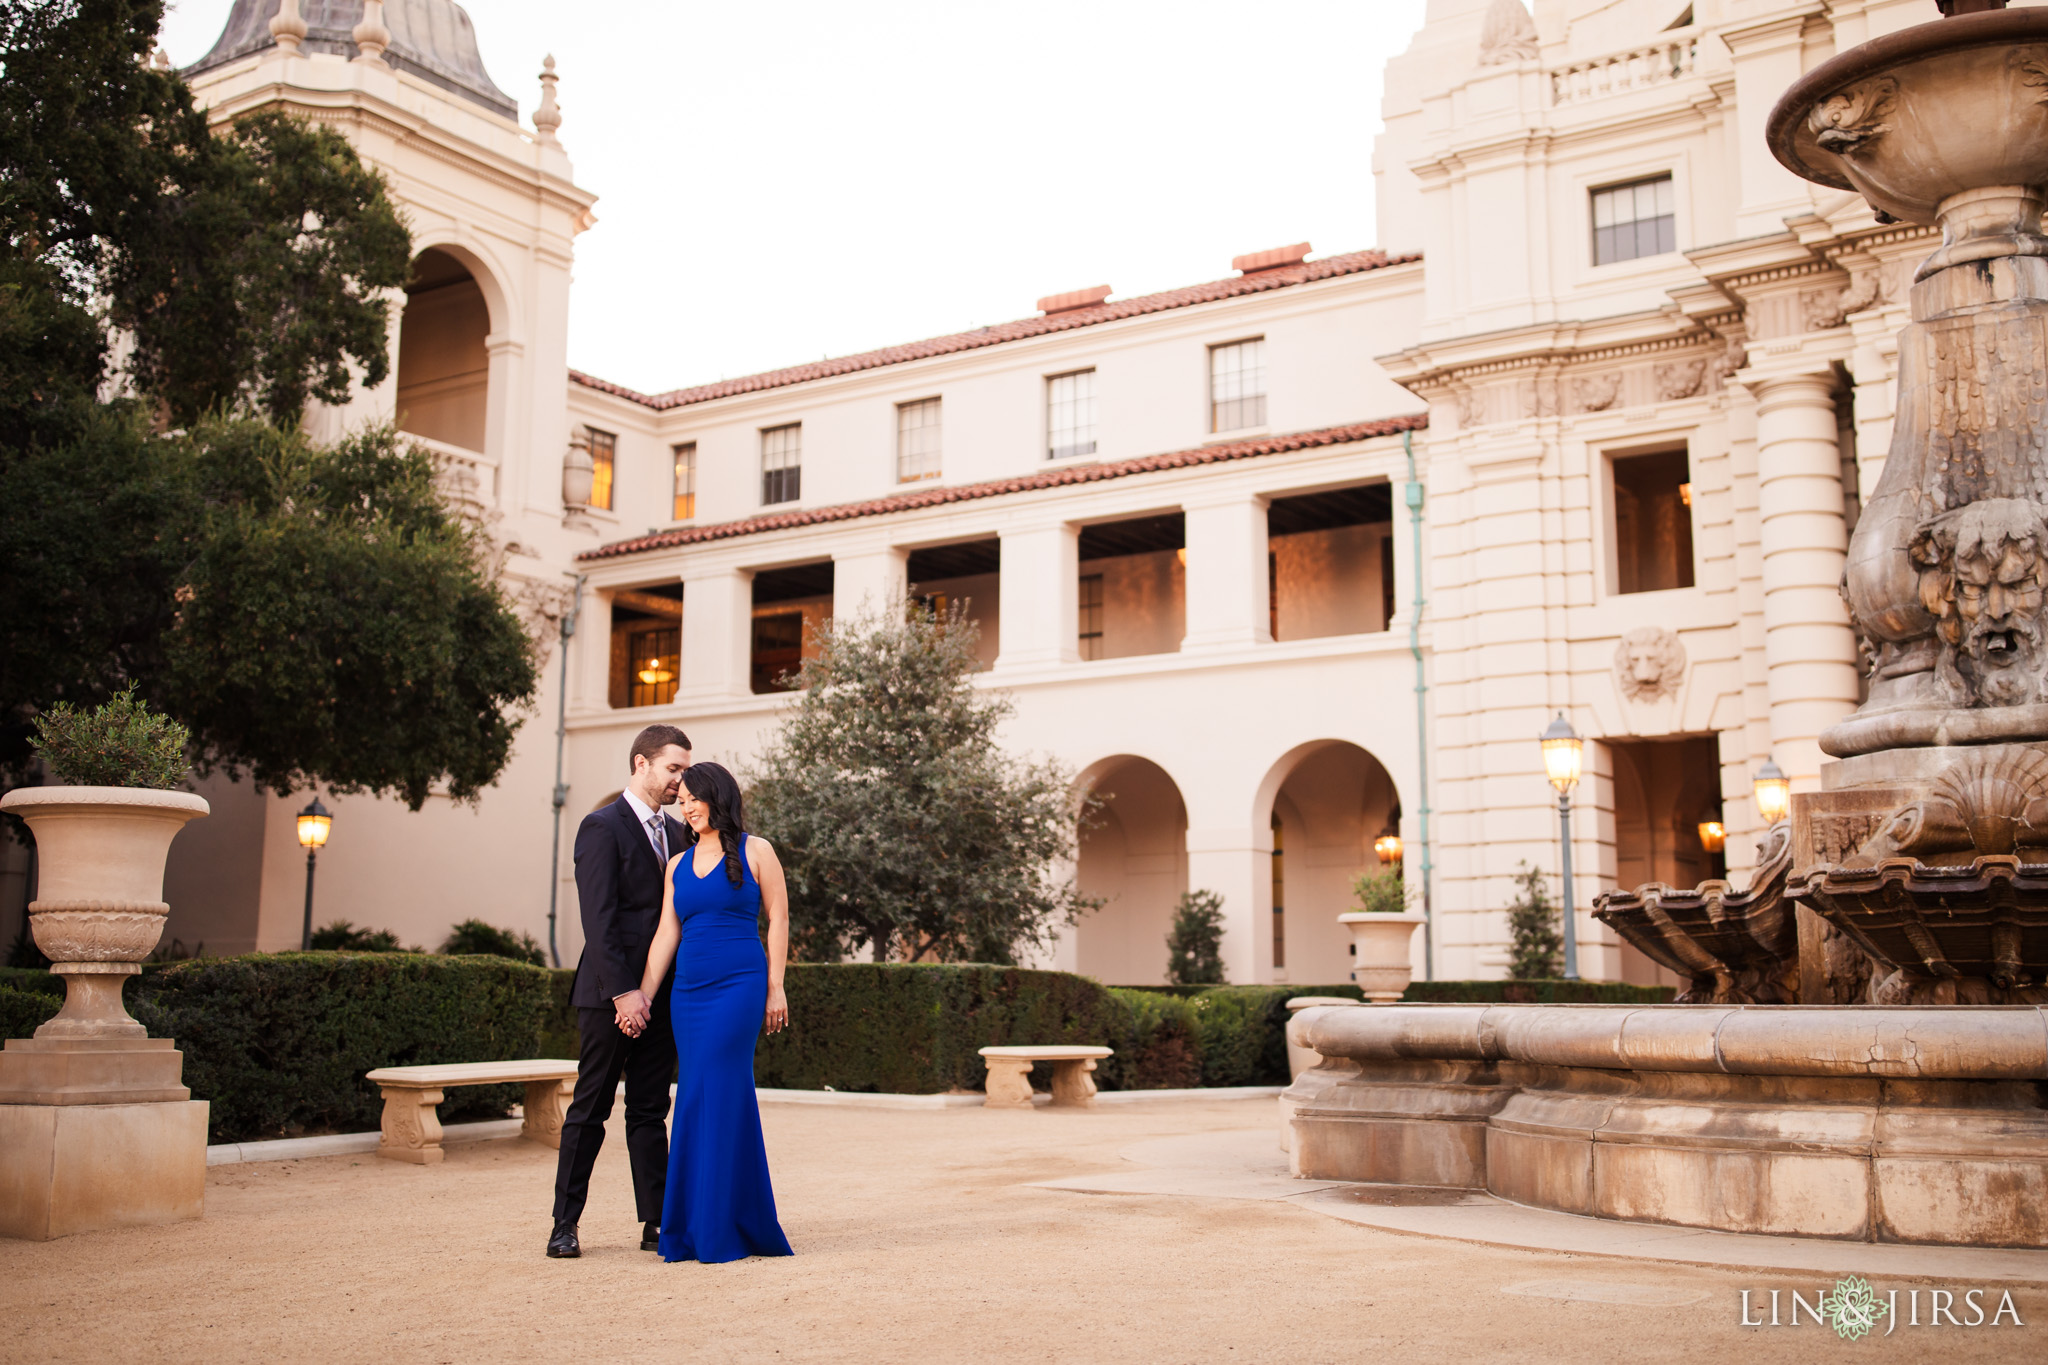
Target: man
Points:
x,y
622,853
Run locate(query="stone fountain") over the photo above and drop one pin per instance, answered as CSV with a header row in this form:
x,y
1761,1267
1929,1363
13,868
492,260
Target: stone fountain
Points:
x,y
1905,905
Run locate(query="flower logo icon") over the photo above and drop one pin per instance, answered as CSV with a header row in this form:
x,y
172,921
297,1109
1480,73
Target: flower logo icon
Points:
x,y
1853,1308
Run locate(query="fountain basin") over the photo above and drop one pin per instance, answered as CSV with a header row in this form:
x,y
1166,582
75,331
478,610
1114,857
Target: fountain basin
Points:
x,y
1735,947
1921,1125
1943,121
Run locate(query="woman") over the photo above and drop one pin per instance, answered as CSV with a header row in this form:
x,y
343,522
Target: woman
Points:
x,y
719,1205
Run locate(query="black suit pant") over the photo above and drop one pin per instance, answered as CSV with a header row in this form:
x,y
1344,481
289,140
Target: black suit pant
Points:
x,y
648,1064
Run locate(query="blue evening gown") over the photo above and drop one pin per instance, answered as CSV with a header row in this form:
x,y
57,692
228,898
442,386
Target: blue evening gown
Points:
x,y
719,1205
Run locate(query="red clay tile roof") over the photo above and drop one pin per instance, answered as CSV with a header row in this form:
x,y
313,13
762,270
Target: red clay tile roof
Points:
x,y
1329,267
1051,478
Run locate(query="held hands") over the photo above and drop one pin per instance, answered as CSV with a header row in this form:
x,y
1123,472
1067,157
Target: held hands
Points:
x,y
777,1018
630,1012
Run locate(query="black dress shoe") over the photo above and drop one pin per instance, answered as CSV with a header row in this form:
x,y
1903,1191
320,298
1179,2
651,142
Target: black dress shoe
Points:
x,y
563,1244
649,1232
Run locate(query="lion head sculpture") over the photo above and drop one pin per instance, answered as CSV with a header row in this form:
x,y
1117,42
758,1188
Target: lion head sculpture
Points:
x,y
1649,663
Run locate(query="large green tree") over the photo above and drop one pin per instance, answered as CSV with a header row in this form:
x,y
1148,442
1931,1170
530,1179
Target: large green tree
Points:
x,y
903,825
312,613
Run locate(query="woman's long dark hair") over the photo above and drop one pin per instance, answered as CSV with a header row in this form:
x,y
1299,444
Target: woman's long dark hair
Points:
x,y
720,791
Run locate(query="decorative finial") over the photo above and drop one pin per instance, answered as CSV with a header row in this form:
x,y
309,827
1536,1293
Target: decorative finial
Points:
x,y
159,60
548,116
288,28
371,36
1508,34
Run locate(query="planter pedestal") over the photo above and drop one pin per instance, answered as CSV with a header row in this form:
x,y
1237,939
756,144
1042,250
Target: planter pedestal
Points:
x,y
68,1168
96,1128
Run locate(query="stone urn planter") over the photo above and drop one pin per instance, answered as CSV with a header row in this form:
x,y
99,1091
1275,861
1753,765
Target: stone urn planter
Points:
x,y
99,907
1381,940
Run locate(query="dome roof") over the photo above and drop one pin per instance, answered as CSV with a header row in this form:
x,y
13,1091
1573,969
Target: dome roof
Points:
x,y
432,39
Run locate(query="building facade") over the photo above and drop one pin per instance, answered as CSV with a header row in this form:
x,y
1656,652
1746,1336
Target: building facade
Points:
x,y
1277,563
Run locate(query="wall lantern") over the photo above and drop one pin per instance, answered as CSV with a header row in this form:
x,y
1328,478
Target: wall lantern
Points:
x,y
1388,848
1773,793
1713,836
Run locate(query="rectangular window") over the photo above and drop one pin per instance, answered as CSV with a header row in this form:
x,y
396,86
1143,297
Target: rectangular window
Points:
x,y
1633,220
686,481
1237,385
917,441
782,463
1070,415
604,449
1652,522
654,658
778,651
1091,616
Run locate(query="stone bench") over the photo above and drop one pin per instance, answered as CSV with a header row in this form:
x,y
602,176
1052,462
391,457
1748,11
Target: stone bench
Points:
x,y
1009,1074
412,1130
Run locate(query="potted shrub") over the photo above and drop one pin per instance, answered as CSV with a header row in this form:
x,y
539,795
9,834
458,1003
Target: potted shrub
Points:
x,y
1380,932
101,841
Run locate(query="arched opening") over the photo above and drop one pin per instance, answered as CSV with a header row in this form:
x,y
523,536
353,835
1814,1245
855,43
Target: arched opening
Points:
x,y
443,364
1135,858
1331,801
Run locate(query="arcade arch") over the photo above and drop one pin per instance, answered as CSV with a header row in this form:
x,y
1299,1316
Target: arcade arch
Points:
x,y
443,357
1325,802
1135,858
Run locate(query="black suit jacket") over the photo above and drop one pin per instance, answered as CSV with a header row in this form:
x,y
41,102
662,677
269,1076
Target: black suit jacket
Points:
x,y
618,889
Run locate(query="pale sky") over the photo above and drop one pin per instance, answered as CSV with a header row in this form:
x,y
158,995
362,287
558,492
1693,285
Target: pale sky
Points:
x,y
782,182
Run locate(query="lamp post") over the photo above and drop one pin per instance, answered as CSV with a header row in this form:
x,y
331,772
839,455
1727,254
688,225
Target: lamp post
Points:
x,y
314,822
1562,752
1773,793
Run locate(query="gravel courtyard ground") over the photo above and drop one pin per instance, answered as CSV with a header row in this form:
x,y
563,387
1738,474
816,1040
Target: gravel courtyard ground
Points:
x,y
918,1238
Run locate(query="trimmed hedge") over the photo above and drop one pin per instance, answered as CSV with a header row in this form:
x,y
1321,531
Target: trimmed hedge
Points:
x,y
916,1029
278,1043
23,1012
1542,992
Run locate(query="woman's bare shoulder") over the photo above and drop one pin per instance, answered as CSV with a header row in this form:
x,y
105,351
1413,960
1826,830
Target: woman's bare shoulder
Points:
x,y
758,848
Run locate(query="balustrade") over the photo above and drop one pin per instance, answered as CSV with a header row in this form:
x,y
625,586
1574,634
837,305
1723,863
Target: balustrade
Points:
x,y
1671,58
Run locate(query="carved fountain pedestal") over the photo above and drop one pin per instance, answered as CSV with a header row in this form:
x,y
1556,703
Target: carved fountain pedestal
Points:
x,y
1905,905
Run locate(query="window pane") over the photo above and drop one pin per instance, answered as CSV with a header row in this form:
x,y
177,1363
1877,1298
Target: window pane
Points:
x,y
1652,523
1070,415
1091,616
917,440
1634,220
1237,385
782,463
603,455
654,660
686,482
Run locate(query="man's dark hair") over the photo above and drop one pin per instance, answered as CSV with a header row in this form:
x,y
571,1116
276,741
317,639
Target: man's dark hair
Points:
x,y
653,740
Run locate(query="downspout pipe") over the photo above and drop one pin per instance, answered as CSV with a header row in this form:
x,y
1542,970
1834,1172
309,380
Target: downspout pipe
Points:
x,y
1412,494
561,792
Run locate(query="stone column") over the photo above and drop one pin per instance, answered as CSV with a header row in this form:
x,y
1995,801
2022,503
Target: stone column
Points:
x,y
1810,657
1237,864
1040,590
1227,602
867,581
718,612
